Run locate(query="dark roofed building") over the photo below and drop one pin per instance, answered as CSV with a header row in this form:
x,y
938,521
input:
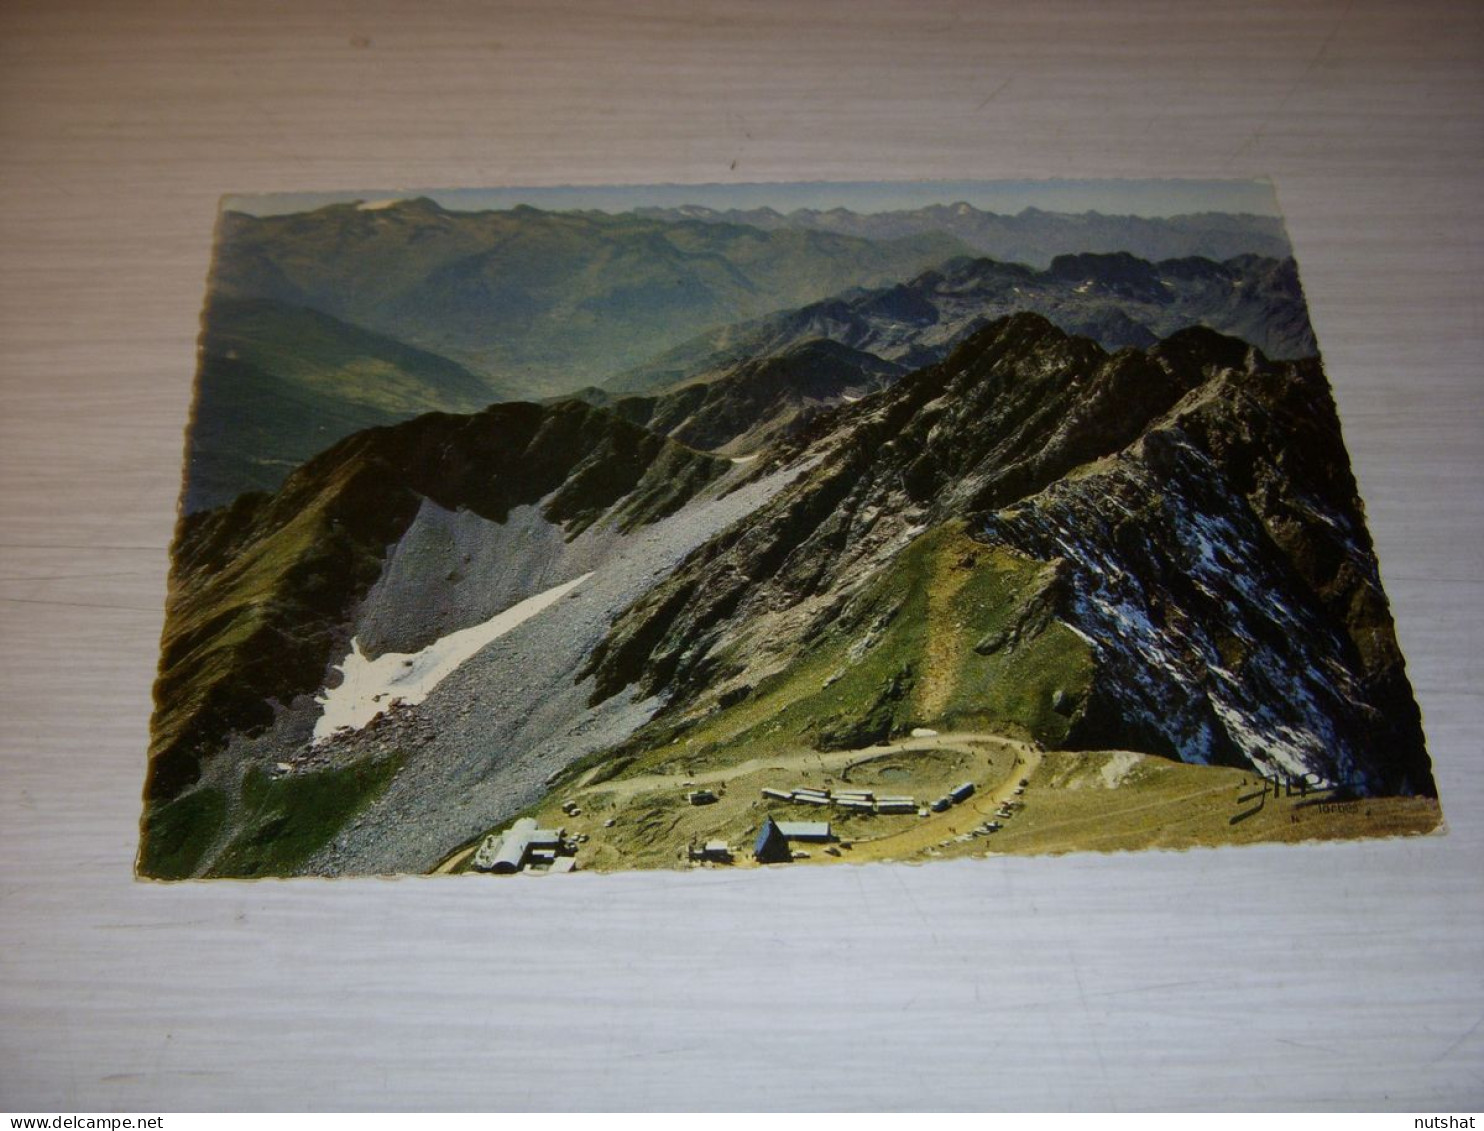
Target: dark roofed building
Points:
x,y
771,846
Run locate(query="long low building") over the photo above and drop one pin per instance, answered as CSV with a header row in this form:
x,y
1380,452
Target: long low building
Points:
x,y
804,830
904,806
857,800
713,851
522,844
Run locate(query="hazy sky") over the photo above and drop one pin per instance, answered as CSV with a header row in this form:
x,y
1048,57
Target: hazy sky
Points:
x,y
1139,198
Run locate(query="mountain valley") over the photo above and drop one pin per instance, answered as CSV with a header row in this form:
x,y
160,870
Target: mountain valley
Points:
x,y
544,302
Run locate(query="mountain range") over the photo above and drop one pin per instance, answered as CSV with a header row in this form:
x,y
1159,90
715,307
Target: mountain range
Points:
x,y
1157,550
1032,236
735,388
1116,299
538,302
323,323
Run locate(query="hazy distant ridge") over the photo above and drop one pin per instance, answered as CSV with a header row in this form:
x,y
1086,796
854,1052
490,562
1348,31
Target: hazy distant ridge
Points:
x,y
1031,236
544,302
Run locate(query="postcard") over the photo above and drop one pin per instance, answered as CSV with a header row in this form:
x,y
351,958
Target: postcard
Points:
x,y
530,531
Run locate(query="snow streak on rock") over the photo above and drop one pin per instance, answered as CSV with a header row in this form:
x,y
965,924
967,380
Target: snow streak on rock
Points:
x,y
368,687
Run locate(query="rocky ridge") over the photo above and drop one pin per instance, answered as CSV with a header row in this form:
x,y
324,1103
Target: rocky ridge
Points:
x,y
1184,518
1032,236
1116,299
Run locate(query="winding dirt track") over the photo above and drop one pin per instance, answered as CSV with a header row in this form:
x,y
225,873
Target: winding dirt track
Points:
x,y
933,830
810,759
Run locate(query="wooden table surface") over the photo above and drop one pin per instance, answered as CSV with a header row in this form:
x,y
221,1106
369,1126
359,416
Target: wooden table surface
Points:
x,y
1335,976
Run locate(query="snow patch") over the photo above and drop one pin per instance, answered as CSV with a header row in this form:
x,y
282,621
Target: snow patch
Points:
x,y
369,687
377,205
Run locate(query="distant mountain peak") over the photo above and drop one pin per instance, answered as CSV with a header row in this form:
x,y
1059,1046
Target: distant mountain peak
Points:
x,y
401,204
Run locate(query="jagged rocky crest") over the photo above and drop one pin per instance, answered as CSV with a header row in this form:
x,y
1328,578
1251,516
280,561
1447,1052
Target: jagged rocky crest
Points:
x,y
1117,299
1179,531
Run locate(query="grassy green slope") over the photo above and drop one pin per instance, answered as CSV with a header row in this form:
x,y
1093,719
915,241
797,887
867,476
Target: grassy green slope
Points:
x,y
176,835
957,637
270,825
901,655
284,821
279,383
252,428
336,359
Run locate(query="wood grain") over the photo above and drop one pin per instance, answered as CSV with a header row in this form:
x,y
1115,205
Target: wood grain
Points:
x,y
1334,976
